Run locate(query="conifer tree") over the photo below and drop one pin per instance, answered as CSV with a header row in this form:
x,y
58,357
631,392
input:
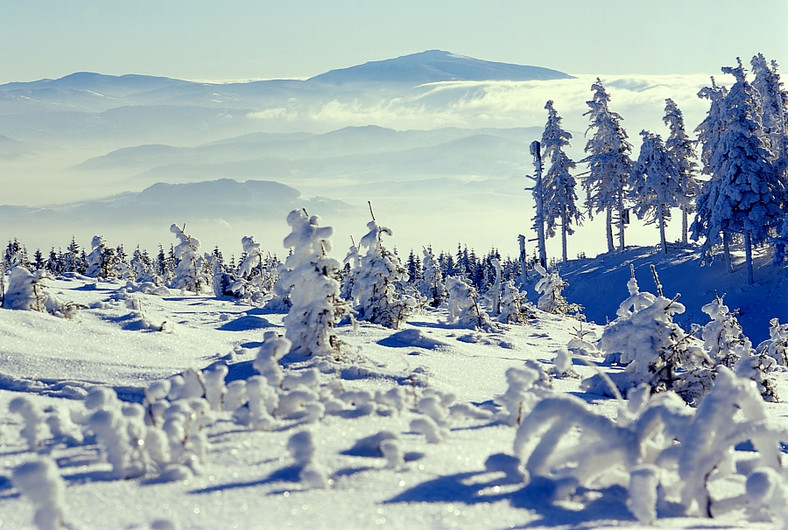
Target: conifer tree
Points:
x,y
655,184
311,280
682,151
744,193
559,186
608,162
379,286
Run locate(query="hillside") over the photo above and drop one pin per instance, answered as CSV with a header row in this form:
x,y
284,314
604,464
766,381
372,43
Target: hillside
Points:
x,y
415,428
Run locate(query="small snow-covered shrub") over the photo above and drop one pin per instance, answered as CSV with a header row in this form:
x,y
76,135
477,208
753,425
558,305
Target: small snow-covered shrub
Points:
x,y
302,449
464,308
550,288
662,450
191,273
41,482
776,346
27,292
432,286
525,387
513,307
723,334
35,427
656,350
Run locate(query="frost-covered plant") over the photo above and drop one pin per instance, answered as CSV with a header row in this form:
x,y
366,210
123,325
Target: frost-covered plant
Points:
x,y
565,440
425,425
190,273
514,307
723,335
41,482
379,286
27,291
550,288
35,428
464,309
274,347
525,387
432,286
756,366
776,346
312,280
101,260
256,275
302,449
656,350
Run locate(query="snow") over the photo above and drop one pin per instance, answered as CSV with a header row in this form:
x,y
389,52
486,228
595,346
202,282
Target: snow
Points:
x,y
421,427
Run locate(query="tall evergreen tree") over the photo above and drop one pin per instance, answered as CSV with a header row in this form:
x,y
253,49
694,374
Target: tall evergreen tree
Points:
x,y
773,107
682,151
559,185
608,162
655,184
744,193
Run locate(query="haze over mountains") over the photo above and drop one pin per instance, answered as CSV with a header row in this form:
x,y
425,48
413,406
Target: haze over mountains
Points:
x,y
438,143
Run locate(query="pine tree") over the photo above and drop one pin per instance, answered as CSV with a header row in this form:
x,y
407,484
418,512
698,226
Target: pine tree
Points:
x,y
773,106
559,187
379,286
432,286
682,151
190,273
311,280
608,162
655,184
744,193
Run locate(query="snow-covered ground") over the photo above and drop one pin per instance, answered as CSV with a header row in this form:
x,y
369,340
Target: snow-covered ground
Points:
x,y
409,429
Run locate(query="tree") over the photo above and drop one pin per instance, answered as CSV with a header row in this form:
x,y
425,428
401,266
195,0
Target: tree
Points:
x,y
190,272
559,186
539,198
379,286
655,184
773,102
682,151
744,193
312,280
608,163
432,286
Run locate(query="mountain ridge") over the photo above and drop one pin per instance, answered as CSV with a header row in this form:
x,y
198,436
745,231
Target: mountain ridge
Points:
x,y
421,67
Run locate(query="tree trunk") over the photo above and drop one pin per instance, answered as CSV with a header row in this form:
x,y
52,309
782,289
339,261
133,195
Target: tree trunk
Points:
x,y
609,228
661,221
684,225
563,238
621,228
726,249
748,257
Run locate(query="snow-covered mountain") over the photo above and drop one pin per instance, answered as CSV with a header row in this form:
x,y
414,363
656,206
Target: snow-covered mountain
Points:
x,y
434,66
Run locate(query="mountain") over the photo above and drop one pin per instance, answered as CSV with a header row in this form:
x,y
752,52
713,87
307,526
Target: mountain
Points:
x,y
434,66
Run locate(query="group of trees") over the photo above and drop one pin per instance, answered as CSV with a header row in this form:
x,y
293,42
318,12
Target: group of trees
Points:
x,y
743,190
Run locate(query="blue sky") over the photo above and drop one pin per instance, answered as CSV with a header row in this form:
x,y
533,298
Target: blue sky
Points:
x,y
244,39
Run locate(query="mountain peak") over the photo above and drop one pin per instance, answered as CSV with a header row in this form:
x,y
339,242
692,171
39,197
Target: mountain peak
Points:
x,y
432,66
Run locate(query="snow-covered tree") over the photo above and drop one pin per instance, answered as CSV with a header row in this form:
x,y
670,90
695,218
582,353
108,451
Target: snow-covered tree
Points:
x,y
776,346
27,291
550,288
773,107
190,273
559,186
744,194
608,162
380,284
432,286
464,308
654,348
256,274
655,184
97,267
514,308
723,335
312,280
681,151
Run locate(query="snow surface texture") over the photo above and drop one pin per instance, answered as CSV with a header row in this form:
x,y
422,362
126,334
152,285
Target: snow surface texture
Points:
x,y
215,425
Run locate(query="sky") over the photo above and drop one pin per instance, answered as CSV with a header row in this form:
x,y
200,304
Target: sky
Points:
x,y
258,39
